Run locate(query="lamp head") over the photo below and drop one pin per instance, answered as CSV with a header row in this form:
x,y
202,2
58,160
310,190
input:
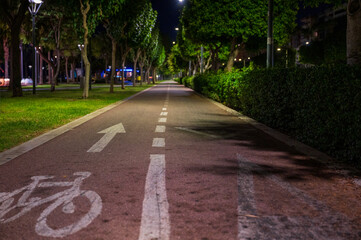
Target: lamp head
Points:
x,y
36,1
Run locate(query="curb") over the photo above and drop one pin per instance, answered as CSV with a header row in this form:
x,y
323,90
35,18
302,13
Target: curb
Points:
x,y
14,152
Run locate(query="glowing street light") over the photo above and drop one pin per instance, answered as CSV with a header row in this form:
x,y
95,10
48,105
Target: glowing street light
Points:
x,y
33,9
81,47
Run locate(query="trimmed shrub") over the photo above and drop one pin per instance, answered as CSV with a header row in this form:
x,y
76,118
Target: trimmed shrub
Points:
x,y
320,106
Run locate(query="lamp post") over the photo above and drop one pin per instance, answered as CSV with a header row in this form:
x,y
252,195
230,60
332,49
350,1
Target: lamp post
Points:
x,y
81,47
33,9
202,59
270,57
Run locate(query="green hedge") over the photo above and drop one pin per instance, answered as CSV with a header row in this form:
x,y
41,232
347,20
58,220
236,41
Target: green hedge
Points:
x,y
319,106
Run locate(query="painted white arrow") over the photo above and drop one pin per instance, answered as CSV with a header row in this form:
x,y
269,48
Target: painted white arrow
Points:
x,y
109,135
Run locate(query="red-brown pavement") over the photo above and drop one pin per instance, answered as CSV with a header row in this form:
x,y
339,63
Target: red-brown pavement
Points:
x,y
205,175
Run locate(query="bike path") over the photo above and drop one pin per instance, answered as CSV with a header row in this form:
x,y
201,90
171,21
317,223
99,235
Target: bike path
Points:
x,y
118,173
183,169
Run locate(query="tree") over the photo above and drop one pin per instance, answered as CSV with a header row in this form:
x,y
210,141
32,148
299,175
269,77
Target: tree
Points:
x,y
158,60
92,13
54,19
233,22
156,54
191,51
119,30
142,32
13,13
175,61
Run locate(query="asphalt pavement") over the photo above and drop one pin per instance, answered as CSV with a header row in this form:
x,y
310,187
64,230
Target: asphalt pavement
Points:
x,y
169,164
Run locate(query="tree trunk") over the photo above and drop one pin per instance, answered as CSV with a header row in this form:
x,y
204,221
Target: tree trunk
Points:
x,y
6,58
123,65
208,64
84,51
122,77
135,59
354,32
55,82
14,22
215,51
141,73
154,75
134,77
66,69
87,72
49,69
195,65
147,74
114,50
15,73
232,55
72,66
124,58
41,74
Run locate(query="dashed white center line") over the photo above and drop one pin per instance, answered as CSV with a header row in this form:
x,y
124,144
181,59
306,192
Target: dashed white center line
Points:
x,y
160,129
155,222
158,142
162,120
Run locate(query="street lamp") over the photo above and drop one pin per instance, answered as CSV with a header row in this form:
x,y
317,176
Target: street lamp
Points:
x,y
33,9
81,48
286,56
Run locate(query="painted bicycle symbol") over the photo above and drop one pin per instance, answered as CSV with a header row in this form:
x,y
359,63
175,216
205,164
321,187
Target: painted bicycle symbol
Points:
x,y
62,199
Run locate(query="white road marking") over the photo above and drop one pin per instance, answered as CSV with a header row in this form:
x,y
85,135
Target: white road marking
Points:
x,y
164,109
196,132
160,129
162,120
251,226
164,113
155,222
63,200
247,227
109,135
158,142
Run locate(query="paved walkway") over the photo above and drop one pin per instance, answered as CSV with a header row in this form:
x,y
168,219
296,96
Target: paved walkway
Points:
x,y
169,164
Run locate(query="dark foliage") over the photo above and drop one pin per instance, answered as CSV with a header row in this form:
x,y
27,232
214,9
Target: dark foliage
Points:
x,y
319,106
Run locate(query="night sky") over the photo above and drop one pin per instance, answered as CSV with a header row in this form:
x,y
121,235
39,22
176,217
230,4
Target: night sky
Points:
x,y
168,16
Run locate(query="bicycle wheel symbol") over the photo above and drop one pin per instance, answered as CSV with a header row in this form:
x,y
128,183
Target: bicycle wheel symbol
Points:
x,y
64,200
42,228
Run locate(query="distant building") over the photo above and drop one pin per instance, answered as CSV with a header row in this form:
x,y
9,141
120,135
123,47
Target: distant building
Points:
x,y
318,26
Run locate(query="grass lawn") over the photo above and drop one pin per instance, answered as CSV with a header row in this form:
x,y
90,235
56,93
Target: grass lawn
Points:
x,y
24,118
